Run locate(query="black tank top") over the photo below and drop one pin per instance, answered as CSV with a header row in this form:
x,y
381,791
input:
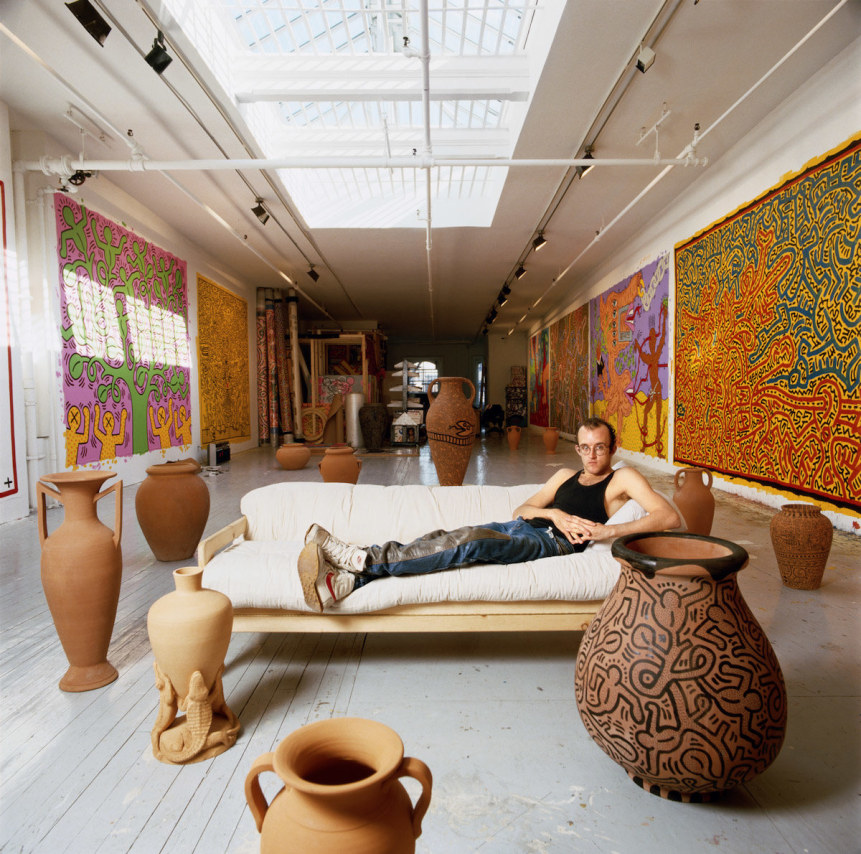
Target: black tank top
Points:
x,y
578,499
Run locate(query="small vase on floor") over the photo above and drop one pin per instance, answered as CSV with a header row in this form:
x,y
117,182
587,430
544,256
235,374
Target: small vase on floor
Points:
x,y
82,568
341,792
340,465
551,439
293,456
513,435
694,499
675,679
189,631
801,537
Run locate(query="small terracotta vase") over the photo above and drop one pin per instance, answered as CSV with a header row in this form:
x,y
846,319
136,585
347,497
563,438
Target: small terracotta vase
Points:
x,y
82,567
189,631
551,438
801,537
451,425
513,435
341,791
340,465
675,679
694,499
172,506
293,456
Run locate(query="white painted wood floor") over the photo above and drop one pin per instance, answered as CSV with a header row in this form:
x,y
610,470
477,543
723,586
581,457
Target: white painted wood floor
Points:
x,y
493,716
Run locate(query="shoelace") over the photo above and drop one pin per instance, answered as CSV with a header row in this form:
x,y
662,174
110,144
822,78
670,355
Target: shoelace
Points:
x,y
344,553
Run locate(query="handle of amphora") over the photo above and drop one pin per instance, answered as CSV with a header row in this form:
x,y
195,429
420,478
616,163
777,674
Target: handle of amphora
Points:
x,y
257,802
411,767
709,476
360,464
430,392
118,512
679,473
41,491
471,390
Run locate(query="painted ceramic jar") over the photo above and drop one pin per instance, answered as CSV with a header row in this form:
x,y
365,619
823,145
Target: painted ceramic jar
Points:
x,y
675,679
342,791
694,499
551,439
451,426
293,456
189,630
340,465
82,568
172,506
801,537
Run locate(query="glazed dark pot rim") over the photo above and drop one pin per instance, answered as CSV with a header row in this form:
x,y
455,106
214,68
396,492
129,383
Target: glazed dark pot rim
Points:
x,y
717,567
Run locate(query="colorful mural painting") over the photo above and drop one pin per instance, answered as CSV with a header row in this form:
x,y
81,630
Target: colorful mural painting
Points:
x,y
768,337
222,323
125,353
539,379
569,370
630,358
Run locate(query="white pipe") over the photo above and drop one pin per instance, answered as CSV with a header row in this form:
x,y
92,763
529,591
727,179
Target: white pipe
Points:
x,y
425,58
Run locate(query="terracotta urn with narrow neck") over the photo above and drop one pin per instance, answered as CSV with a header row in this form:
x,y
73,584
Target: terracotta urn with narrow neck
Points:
x,y
512,433
551,439
451,425
675,679
342,791
82,568
694,499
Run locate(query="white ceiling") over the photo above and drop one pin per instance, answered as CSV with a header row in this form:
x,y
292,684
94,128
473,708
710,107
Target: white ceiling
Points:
x,y
708,55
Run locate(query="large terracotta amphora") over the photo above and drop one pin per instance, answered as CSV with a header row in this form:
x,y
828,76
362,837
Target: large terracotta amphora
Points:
x,y
340,465
341,791
675,679
82,567
451,428
695,500
189,630
172,506
801,537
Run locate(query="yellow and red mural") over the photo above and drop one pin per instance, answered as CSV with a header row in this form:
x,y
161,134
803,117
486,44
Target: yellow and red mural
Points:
x,y
125,352
768,337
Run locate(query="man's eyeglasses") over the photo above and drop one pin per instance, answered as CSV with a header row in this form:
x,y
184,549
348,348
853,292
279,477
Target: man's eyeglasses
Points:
x,y
599,449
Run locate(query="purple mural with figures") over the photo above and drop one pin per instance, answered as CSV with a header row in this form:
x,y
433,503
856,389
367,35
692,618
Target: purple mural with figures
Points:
x,y
124,322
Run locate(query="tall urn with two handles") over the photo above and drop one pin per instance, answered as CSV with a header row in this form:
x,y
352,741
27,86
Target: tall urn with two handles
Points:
x,y
82,567
451,427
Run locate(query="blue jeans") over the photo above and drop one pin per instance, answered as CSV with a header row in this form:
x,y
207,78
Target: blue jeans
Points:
x,y
496,542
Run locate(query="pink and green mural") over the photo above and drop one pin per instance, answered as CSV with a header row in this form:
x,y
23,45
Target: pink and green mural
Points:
x,y
539,379
569,370
630,358
125,352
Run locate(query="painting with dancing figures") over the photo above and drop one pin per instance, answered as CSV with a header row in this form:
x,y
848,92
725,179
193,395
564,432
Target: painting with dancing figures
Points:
x,y
630,358
768,337
539,378
125,352
222,324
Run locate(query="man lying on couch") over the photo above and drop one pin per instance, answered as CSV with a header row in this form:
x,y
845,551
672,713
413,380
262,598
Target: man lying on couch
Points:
x,y
563,517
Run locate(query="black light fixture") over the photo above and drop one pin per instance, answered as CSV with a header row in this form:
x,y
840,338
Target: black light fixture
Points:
x,y
90,19
520,272
261,213
539,241
158,58
583,170
491,316
312,273
502,299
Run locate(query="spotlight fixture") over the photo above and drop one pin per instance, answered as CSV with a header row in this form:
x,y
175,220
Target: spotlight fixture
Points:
x,y
520,272
491,315
539,241
90,19
584,170
502,299
645,58
261,213
312,273
158,58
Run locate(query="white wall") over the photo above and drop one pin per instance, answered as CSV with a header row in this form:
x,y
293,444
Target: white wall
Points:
x,y
503,351
37,315
817,118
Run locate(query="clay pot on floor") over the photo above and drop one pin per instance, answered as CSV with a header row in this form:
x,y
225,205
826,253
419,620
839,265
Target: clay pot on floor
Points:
x,y
82,568
172,506
512,433
293,456
340,465
551,438
801,537
675,679
189,630
694,499
451,425
341,791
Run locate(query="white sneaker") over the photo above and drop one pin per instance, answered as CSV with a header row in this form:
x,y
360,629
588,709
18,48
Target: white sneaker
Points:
x,y
340,554
322,584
